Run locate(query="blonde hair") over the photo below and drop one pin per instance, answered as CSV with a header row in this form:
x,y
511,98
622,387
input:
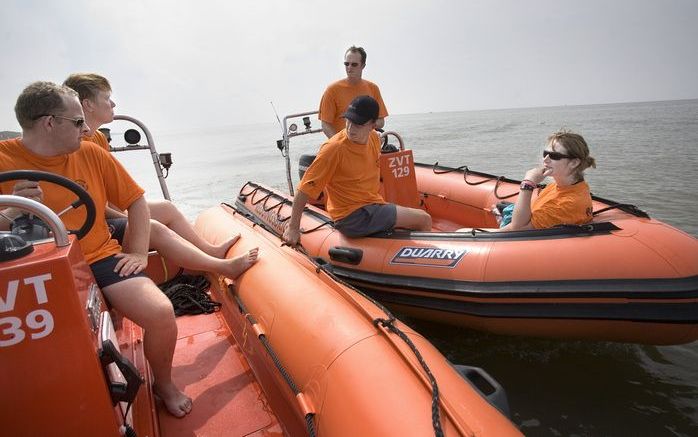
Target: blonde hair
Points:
x,y
87,85
576,147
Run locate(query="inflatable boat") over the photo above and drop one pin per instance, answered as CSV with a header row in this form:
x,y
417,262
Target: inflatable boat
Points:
x,y
624,277
292,351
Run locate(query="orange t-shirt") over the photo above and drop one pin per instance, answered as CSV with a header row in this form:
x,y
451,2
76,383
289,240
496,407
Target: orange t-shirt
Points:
x,y
555,205
350,173
339,95
98,138
90,167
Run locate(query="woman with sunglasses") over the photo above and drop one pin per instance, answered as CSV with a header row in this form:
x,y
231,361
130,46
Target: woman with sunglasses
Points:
x,y
565,201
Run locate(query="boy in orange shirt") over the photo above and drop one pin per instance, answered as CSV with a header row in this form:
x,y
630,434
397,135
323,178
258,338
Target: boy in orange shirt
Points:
x,y
347,167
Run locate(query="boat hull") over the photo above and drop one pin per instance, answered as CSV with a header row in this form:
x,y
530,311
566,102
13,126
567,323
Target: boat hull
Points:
x,y
624,277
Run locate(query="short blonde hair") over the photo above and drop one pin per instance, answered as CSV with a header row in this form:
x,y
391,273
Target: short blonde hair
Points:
x,y
87,85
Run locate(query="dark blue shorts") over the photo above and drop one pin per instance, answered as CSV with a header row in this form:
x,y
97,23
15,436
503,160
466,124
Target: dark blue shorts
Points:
x,y
368,220
103,271
117,228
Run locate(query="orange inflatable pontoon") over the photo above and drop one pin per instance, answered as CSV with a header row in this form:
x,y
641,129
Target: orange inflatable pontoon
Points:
x,y
623,277
292,352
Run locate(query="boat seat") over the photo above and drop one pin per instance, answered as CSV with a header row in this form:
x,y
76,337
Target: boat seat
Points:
x,y
399,180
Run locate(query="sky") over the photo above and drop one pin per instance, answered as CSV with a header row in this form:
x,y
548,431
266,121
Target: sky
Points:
x,y
190,65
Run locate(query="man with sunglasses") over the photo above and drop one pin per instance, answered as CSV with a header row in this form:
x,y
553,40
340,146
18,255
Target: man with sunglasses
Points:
x,y
339,94
347,169
53,123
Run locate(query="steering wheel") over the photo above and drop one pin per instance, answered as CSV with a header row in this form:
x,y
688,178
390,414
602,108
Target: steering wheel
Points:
x,y
83,196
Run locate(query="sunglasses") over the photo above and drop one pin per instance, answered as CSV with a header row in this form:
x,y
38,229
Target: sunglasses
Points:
x,y
353,64
78,122
555,156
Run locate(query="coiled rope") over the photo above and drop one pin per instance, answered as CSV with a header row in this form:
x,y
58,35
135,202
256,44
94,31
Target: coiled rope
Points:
x,y
188,294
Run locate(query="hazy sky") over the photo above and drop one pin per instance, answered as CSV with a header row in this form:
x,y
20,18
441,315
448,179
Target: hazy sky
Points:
x,y
185,65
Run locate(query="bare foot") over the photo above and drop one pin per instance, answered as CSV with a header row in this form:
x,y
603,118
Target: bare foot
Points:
x,y
177,403
236,266
221,250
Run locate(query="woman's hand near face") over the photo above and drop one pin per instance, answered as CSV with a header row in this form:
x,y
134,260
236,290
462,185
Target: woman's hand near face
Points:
x,y
537,174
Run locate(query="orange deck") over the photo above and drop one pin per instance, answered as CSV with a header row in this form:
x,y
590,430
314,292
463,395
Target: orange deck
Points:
x,y
209,367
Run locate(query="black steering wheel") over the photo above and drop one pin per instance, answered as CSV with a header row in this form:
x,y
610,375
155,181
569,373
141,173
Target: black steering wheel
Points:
x,y
83,196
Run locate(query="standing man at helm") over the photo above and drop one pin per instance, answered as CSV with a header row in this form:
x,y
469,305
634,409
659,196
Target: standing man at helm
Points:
x,y
339,95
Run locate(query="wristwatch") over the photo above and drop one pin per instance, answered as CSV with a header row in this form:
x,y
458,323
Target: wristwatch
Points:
x,y
527,186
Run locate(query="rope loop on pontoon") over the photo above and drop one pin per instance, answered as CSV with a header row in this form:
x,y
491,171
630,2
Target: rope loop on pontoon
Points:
x,y
496,187
450,170
389,324
465,178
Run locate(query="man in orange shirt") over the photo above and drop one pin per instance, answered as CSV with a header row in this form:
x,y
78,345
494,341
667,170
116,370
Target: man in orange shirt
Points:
x,y
53,123
347,167
338,95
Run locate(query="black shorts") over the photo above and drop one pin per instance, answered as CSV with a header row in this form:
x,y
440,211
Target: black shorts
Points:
x,y
368,220
103,271
117,228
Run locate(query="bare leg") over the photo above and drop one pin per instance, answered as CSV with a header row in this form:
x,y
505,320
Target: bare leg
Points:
x,y
167,213
185,254
412,218
141,300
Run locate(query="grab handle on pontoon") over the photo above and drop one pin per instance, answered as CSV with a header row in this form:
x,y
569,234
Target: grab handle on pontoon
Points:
x,y
348,255
487,386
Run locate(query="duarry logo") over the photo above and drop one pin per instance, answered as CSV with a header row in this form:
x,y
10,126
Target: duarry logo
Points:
x,y
429,256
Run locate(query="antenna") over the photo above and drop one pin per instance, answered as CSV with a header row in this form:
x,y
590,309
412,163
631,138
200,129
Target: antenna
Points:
x,y
277,118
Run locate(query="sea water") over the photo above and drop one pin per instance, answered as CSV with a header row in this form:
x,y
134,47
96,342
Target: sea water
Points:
x,y
647,155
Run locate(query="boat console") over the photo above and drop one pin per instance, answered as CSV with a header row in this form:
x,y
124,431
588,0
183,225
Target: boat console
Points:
x,y
61,368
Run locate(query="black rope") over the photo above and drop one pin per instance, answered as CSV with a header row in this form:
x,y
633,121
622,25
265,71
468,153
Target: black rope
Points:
x,y
281,203
275,358
188,294
496,187
317,227
450,170
388,323
263,199
435,412
465,178
248,184
310,424
625,207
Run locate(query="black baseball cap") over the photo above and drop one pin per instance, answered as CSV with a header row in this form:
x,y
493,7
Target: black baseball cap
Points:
x,y
361,110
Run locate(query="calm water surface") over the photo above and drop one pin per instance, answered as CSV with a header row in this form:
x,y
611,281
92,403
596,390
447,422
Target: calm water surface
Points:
x,y
647,155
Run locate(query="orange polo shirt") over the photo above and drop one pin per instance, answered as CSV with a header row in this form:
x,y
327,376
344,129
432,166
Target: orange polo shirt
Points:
x,y
350,173
90,167
556,205
98,138
339,95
